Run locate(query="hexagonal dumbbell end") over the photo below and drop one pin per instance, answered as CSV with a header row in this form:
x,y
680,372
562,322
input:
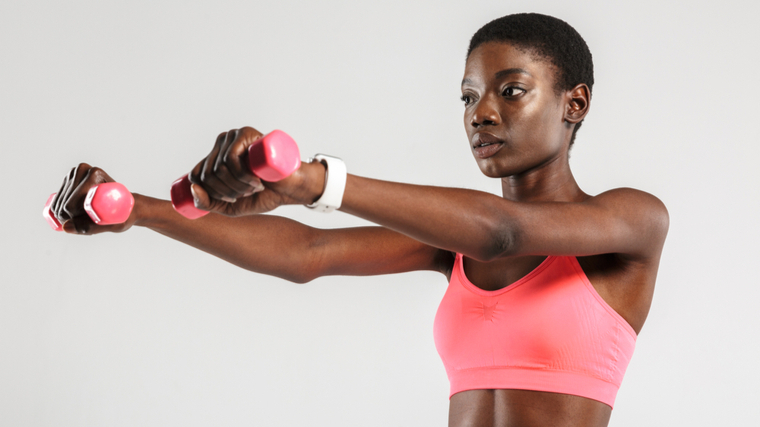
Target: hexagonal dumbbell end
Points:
x,y
47,213
182,199
109,203
274,157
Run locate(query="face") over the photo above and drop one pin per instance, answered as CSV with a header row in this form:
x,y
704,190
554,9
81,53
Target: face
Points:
x,y
514,119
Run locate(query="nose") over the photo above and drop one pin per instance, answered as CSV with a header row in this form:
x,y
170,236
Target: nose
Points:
x,y
485,113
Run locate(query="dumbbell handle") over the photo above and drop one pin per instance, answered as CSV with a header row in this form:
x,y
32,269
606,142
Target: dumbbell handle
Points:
x,y
106,204
273,157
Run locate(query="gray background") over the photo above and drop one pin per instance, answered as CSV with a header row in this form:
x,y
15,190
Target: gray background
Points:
x,y
136,329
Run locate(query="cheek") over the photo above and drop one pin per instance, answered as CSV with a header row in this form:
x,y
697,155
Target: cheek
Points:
x,y
545,123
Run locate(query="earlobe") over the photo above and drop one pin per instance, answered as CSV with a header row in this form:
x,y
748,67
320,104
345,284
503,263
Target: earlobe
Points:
x,y
578,103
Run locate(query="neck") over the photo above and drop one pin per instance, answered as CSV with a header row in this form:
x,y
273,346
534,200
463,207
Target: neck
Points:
x,y
550,182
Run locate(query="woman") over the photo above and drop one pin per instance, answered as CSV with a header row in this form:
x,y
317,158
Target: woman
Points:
x,y
548,286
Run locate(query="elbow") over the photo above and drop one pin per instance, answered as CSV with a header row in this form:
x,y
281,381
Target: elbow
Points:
x,y
305,267
305,261
293,276
299,276
299,280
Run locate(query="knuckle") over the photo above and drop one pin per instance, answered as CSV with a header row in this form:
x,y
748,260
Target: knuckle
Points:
x,y
250,132
70,207
67,212
221,171
80,169
213,193
61,216
97,174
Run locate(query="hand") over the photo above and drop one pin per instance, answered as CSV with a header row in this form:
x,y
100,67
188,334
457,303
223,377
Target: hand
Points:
x,y
68,204
223,182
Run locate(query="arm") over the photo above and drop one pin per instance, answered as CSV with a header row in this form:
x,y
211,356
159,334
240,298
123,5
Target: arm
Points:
x,y
287,249
477,224
263,243
485,227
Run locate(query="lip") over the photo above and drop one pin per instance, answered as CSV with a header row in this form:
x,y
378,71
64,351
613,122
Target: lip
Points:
x,y
491,147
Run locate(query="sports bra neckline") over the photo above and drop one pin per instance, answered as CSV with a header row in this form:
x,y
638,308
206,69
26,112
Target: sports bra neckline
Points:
x,y
483,292
548,261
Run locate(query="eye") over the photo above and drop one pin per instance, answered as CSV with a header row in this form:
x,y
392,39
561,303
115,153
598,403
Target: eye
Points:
x,y
466,99
511,91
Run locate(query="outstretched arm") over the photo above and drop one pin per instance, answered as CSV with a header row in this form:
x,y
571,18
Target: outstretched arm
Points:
x,y
263,243
480,225
485,227
290,250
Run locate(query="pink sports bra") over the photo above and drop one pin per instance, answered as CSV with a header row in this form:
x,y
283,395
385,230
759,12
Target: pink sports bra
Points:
x,y
549,331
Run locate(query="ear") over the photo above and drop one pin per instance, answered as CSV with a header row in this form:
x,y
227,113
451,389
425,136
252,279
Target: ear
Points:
x,y
578,102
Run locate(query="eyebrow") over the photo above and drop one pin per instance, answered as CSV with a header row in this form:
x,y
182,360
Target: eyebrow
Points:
x,y
504,73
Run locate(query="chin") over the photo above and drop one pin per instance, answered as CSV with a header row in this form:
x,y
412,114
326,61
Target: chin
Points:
x,y
491,170
502,164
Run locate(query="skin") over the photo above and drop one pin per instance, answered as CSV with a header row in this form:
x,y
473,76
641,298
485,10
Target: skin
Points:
x,y
510,100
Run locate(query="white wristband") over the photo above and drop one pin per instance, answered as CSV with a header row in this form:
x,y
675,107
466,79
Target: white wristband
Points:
x,y
335,184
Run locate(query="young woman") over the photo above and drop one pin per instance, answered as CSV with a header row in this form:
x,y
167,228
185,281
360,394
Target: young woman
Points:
x,y
548,286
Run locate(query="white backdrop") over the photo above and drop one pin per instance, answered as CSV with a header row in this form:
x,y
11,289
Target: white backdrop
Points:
x,y
136,329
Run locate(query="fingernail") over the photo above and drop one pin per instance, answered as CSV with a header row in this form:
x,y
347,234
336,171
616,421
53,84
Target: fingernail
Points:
x,y
229,200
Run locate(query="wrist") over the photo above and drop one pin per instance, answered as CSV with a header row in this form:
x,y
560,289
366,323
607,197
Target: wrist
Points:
x,y
317,181
306,184
140,215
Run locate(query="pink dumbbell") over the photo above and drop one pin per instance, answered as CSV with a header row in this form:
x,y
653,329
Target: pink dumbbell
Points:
x,y
106,204
272,158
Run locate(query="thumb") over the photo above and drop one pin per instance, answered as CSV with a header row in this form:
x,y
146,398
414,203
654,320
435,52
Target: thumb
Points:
x,y
201,199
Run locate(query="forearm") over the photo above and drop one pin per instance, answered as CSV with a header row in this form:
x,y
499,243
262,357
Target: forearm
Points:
x,y
470,222
261,243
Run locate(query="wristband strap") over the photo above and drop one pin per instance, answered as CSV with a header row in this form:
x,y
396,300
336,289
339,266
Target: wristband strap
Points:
x,y
335,184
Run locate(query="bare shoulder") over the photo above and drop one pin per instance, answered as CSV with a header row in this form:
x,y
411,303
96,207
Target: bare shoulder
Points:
x,y
639,210
640,203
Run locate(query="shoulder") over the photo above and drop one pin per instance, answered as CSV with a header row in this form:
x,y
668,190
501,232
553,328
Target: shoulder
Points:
x,y
635,202
639,210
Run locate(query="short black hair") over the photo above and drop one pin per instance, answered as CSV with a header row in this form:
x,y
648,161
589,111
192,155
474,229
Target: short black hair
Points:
x,y
551,39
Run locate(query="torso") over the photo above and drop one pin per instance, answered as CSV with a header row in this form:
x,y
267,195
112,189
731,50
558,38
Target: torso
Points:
x,y
626,285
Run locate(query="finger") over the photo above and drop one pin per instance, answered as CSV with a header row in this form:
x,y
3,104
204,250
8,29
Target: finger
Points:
x,y
223,165
81,225
203,201
61,195
74,177
235,156
210,182
195,178
56,199
195,175
84,226
74,206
